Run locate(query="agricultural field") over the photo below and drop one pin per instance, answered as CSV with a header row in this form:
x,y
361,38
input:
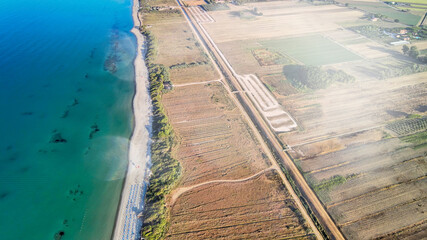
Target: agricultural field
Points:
x,y
361,145
177,45
211,135
259,208
232,190
377,7
301,18
371,135
311,50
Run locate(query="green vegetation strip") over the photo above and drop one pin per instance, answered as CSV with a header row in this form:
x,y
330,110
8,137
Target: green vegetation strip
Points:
x,y
165,169
419,140
329,184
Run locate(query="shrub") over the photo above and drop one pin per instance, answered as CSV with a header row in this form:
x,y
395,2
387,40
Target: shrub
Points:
x,y
312,77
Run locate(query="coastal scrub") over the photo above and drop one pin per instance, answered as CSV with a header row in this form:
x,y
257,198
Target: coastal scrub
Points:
x,y
165,169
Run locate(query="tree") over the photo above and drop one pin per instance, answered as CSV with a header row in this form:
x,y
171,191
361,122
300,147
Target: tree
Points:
x,y
405,49
413,52
396,20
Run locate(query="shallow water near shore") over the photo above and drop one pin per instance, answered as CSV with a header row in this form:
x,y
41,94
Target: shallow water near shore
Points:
x,y
66,86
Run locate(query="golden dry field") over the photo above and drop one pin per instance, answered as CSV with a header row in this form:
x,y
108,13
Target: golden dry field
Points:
x,y
259,208
232,191
177,45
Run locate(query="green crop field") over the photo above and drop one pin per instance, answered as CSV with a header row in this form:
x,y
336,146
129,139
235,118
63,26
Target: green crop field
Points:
x,y
384,9
311,50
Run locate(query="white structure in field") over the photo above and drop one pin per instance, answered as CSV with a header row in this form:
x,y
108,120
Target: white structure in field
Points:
x,y
277,118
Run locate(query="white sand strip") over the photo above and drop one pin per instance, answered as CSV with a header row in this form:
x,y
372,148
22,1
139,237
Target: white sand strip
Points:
x,y
127,224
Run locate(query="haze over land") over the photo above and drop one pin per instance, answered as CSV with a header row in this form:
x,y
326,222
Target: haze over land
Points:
x,y
336,90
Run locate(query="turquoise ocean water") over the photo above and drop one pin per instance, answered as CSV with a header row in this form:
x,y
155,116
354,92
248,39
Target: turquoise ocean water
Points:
x,y
66,86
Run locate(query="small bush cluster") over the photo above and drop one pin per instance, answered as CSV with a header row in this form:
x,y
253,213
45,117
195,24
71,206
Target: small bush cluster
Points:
x,y
301,76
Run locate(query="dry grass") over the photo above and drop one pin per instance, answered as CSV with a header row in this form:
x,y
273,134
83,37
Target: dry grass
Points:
x,y
193,74
260,208
215,143
280,19
178,45
194,2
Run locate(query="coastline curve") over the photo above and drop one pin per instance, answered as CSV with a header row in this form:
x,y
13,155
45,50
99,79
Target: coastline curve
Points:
x,y
128,223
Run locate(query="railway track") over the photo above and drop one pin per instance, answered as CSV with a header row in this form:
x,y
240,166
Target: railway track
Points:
x,y
255,119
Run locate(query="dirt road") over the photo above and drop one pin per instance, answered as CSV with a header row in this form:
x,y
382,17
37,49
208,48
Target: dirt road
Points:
x,y
257,122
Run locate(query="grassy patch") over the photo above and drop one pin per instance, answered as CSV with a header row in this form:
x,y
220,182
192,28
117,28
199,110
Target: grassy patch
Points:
x,y
418,140
323,188
311,50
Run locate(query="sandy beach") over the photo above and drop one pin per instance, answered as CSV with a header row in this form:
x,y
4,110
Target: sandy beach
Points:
x,y
128,224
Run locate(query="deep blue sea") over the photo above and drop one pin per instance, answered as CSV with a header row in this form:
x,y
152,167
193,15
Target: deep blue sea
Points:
x,y
66,86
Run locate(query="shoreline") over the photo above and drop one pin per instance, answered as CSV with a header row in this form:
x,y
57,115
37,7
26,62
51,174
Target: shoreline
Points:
x,y
139,156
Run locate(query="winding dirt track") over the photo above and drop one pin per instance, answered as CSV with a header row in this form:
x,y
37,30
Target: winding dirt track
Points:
x,y
260,127
178,192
